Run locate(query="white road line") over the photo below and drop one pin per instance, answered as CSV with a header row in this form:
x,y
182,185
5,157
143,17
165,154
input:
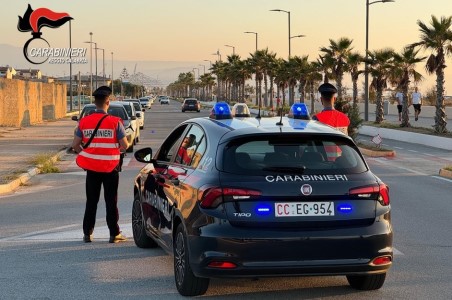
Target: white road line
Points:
x,y
400,148
397,252
413,151
442,178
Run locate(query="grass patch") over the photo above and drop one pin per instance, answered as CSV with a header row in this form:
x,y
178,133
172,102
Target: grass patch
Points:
x,y
12,176
448,168
46,162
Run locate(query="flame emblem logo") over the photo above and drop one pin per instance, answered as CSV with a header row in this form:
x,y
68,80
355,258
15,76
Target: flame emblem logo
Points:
x,y
34,20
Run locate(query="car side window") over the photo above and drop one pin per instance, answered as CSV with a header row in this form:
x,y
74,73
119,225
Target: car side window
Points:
x,y
192,147
171,144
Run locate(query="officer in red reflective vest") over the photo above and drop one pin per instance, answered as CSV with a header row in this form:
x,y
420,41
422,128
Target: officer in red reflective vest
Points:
x,y
101,161
329,115
332,117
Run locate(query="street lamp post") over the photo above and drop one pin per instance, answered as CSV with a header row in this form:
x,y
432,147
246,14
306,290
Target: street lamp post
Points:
x,y
112,92
255,33
209,62
233,48
288,14
204,68
91,64
70,66
103,62
366,68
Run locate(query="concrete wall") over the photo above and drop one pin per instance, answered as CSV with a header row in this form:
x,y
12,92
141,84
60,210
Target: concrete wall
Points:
x,y
24,103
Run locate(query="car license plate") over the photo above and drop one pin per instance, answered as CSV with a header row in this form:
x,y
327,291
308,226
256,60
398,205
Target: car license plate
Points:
x,y
304,209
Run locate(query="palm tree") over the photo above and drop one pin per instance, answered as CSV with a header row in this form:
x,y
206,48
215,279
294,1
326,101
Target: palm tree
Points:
x,y
381,66
437,38
325,65
338,51
281,79
405,70
354,60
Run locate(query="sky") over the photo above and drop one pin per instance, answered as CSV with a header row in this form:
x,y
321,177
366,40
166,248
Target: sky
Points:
x,y
193,30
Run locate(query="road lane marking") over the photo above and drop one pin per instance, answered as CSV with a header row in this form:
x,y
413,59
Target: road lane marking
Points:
x,y
400,148
442,178
413,151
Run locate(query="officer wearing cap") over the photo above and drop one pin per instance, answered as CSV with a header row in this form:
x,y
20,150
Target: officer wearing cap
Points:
x,y
329,115
100,157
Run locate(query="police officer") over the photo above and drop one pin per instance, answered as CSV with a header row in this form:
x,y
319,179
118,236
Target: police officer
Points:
x,y
100,159
329,115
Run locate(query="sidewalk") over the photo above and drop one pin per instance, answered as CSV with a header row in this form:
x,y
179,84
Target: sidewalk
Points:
x,y
18,146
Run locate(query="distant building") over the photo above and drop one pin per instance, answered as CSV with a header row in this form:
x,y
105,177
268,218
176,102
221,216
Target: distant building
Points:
x,y
85,82
7,72
34,74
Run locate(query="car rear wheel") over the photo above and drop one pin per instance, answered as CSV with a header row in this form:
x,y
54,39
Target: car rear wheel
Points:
x,y
186,282
366,282
139,232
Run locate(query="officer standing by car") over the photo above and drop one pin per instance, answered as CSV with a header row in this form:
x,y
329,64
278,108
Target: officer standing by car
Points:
x,y
100,157
329,115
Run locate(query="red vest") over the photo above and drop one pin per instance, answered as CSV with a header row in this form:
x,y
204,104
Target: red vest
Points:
x,y
335,119
103,154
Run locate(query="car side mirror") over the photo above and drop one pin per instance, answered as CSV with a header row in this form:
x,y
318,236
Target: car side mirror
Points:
x,y
74,118
143,155
138,115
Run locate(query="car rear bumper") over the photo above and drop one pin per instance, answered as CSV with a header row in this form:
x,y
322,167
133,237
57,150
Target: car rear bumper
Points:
x,y
294,253
191,108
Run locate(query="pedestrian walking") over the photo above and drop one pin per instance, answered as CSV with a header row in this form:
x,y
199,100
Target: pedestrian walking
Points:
x,y
329,115
99,140
416,100
399,97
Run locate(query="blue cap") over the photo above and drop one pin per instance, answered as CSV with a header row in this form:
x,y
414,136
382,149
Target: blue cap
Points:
x,y
299,111
220,111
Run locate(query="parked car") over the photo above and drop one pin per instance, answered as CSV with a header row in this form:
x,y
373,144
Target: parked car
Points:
x,y
118,110
145,103
253,197
133,123
164,100
191,104
140,112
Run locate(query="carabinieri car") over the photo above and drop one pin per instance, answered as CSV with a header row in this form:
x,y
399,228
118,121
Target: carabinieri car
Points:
x,y
259,197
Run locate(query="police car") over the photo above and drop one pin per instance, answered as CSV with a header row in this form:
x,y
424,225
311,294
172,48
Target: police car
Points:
x,y
259,197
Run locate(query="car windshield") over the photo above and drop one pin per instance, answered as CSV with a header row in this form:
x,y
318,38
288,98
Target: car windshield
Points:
x,y
302,155
112,110
128,109
191,101
137,106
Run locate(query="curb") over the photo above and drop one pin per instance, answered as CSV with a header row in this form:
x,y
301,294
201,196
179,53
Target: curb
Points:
x,y
445,173
373,153
25,177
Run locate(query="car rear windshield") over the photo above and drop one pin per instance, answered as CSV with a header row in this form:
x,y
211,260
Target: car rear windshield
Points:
x,y
302,155
114,111
191,101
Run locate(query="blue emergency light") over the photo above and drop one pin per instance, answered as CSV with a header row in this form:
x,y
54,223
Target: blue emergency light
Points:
x,y
220,111
299,111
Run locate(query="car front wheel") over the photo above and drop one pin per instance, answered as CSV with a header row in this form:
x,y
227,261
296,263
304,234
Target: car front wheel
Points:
x,y
366,282
186,282
139,232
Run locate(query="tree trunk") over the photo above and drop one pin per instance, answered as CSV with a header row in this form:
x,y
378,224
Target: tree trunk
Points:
x,y
405,117
265,90
440,116
379,107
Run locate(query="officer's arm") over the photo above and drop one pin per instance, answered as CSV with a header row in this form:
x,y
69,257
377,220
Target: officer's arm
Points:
x,y
124,144
122,138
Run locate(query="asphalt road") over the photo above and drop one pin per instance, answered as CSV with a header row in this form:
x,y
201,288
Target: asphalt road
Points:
x,y
43,257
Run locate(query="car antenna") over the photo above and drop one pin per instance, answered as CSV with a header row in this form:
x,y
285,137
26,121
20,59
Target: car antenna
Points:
x,y
280,120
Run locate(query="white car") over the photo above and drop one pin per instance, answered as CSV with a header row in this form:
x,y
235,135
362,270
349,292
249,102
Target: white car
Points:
x,y
139,111
132,114
164,100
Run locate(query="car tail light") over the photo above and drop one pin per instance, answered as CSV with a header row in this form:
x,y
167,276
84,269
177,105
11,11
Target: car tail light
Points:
x,y
222,265
382,260
211,197
366,192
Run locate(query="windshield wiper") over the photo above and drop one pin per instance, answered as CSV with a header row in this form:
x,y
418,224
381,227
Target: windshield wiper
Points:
x,y
299,169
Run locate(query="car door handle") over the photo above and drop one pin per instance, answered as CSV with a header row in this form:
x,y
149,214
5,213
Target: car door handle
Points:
x,y
175,181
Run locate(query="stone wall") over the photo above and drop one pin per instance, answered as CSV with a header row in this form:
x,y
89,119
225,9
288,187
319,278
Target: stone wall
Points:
x,y
24,103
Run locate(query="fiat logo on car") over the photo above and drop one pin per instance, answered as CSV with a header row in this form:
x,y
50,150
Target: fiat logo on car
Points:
x,y
306,189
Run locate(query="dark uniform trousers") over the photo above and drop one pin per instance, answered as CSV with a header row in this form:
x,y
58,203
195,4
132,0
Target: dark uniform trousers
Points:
x,y
94,182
